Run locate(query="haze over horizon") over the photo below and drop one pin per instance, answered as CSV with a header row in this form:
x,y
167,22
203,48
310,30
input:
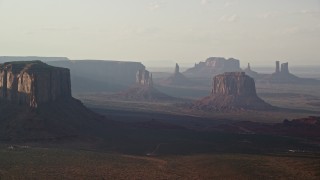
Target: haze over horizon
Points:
x,y
158,32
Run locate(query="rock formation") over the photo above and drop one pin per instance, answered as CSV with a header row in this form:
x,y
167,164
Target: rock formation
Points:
x,y
282,75
285,68
214,66
178,79
177,69
144,78
143,90
36,104
236,84
282,68
100,75
33,83
232,91
250,72
277,67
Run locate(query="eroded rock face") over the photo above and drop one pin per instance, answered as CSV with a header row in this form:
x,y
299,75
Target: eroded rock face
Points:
x,y
250,72
232,91
234,84
143,90
33,83
144,78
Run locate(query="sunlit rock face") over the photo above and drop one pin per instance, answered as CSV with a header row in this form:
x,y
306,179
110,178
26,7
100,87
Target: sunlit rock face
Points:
x,y
234,84
33,83
232,91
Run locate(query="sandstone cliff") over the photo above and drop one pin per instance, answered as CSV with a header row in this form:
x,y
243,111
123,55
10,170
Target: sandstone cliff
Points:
x,y
32,83
36,104
144,78
234,84
143,90
232,91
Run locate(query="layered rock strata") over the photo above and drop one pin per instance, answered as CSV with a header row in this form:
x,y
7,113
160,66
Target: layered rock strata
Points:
x,y
232,91
32,83
143,90
144,78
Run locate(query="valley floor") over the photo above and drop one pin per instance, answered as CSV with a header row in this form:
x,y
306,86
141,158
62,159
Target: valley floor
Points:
x,y
50,163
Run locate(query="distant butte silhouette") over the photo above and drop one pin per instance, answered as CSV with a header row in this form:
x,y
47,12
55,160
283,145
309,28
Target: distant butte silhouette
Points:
x,y
178,79
143,89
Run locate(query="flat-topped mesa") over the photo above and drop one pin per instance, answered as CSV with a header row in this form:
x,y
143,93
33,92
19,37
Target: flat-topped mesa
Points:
x,y
214,66
230,64
32,83
232,91
233,83
144,78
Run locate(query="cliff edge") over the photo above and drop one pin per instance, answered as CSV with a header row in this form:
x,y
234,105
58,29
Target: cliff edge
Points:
x,y
33,83
36,104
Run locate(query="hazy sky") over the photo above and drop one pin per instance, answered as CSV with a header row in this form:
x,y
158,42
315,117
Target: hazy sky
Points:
x,y
161,32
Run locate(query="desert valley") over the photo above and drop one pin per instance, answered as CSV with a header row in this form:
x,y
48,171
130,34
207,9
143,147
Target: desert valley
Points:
x,y
215,118
160,89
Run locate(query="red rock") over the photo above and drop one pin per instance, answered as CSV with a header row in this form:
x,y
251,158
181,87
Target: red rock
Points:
x,y
232,91
33,83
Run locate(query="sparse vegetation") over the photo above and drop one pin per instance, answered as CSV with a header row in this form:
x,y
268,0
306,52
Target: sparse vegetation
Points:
x,y
44,163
